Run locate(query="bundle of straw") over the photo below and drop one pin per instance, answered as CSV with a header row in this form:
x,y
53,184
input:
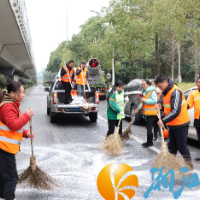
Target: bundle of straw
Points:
x,y
113,145
35,177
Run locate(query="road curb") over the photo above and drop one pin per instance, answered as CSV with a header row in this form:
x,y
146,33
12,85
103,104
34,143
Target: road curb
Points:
x,y
28,90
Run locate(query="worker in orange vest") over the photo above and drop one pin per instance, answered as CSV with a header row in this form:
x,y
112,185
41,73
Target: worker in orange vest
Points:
x,y
176,116
148,106
67,78
194,100
82,78
11,133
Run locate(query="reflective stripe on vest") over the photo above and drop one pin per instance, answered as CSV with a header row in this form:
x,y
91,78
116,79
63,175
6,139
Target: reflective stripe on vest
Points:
x,y
65,77
10,140
169,105
120,103
5,128
149,109
183,116
196,102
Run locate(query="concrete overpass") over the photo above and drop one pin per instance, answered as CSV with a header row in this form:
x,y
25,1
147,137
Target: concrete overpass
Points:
x,y
16,51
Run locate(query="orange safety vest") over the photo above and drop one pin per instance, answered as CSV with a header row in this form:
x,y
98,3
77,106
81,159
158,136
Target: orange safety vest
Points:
x,y
183,117
65,77
81,77
149,109
195,101
159,95
10,140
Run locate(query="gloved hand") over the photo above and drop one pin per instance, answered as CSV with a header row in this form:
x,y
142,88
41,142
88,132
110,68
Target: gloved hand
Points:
x,y
122,113
127,99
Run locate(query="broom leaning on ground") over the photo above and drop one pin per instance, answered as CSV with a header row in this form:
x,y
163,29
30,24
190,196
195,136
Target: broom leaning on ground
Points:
x,y
113,145
166,159
126,133
34,176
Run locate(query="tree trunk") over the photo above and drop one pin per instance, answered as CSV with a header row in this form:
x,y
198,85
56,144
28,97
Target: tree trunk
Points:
x,y
157,55
132,64
172,66
172,57
179,63
131,71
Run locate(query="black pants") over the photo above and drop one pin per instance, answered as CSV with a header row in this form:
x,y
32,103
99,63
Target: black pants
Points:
x,y
68,89
149,124
178,142
198,133
156,128
8,175
111,126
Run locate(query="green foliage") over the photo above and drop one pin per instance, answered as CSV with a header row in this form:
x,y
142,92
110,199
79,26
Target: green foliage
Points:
x,y
28,83
141,36
48,75
2,82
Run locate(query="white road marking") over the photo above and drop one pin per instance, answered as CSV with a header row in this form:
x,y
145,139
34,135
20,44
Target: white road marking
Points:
x,y
134,137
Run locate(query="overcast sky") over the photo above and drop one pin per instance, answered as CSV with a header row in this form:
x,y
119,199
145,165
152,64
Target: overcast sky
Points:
x,y
47,20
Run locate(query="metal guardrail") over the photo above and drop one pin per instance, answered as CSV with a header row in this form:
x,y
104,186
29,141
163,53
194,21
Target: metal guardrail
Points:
x,y
19,9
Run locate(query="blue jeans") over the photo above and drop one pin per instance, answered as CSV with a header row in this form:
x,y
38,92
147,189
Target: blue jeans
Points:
x,y
80,90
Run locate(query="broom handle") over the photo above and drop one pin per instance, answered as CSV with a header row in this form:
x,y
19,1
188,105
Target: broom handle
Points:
x,y
134,112
121,116
68,75
161,130
30,122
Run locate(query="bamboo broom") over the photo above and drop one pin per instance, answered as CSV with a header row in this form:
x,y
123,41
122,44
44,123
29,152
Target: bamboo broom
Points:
x,y
35,177
113,145
126,133
166,159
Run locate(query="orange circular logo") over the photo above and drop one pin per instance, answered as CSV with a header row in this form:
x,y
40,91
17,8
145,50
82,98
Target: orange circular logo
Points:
x,y
122,188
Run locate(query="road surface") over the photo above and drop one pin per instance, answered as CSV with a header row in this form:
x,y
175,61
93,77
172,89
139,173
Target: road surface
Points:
x,y
69,151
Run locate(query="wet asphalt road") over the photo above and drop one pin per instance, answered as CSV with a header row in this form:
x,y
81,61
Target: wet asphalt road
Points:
x,y
70,152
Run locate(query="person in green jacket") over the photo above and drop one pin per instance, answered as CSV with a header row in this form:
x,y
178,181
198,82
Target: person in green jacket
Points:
x,y
115,107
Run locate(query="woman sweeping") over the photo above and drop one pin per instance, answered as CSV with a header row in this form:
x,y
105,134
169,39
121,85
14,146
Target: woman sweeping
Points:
x,y
115,107
11,133
148,106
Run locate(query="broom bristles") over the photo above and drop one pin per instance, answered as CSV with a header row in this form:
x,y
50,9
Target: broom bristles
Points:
x,y
169,161
37,179
126,133
113,145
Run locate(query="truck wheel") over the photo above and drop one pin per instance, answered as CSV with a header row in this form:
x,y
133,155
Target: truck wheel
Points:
x,y
52,118
48,111
93,117
135,120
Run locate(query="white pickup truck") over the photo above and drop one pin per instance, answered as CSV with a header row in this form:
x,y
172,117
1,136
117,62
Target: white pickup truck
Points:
x,y
56,106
